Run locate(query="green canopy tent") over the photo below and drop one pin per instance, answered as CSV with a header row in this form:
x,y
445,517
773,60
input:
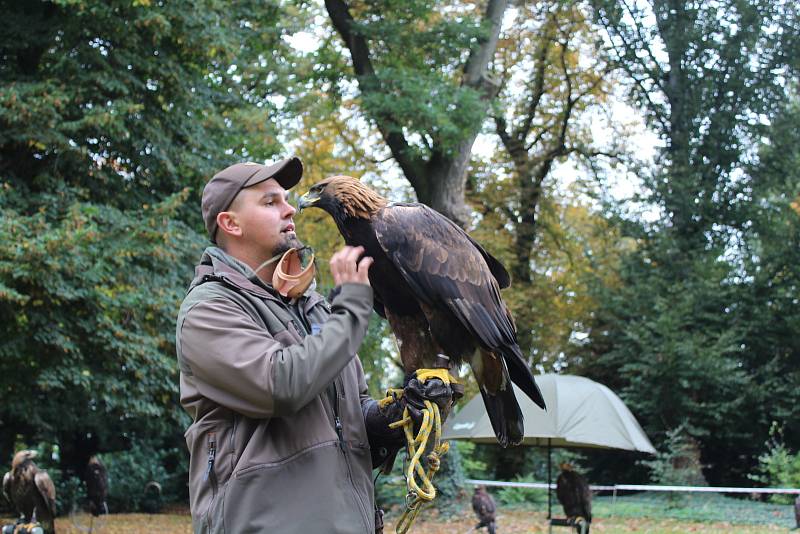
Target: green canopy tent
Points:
x,y
580,413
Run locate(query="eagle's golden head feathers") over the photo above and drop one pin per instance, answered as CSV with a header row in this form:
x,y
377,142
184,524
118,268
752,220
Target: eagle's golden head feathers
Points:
x,y
344,196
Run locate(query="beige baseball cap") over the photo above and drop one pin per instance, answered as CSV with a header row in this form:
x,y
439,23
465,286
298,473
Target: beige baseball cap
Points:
x,y
220,191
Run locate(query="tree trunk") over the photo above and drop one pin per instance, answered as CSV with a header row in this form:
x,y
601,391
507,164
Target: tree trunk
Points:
x,y
439,180
443,184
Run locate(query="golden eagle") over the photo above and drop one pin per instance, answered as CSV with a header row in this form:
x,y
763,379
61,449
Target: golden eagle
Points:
x,y
485,509
31,491
96,479
574,495
439,290
797,512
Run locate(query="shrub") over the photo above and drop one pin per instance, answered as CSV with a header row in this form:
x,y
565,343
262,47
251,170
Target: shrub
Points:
x,y
521,496
130,471
778,466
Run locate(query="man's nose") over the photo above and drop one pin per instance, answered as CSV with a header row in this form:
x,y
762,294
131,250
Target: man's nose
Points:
x,y
290,210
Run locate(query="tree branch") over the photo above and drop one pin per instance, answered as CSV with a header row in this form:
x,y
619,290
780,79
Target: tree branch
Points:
x,y
368,83
538,84
479,58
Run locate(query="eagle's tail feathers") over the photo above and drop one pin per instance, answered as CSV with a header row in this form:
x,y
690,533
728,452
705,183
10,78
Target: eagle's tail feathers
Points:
x,y
521,375
505,415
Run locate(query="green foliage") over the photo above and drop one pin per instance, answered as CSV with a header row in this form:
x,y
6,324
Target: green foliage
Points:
x,y
676,463
418,50
112,116
509,496
391,490
152,95
778,467
771,259
449,482
130,471
88,315
674,333
379,357
473,466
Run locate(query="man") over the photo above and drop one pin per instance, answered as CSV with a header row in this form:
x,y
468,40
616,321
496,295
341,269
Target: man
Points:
x,y
282,429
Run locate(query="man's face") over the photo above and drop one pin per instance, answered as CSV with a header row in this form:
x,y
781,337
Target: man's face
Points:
x,y
265,218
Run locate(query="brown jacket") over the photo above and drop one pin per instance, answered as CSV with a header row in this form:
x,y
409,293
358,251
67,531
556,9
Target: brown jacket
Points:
x,y
278,441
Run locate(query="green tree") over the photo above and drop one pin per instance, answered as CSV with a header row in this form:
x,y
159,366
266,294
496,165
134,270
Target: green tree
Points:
x,y
422,70
770,278
112,116
87,305
545,92
670,337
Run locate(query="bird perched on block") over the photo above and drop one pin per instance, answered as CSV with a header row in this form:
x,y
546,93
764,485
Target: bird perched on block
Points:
x,y
440,291
485,509
96,479
574,495
31,491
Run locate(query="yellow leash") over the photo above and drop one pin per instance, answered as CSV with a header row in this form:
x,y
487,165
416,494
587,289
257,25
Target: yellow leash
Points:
x,y
423,491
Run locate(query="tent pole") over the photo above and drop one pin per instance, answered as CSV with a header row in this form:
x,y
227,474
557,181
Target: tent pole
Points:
x,y
549,479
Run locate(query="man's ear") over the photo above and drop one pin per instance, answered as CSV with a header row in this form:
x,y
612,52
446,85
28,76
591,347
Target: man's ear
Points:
x,y
228,224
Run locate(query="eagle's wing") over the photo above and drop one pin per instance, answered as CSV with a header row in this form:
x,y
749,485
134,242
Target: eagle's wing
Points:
x,y
442,265
47,490
445,267
497,269
562,492
7,487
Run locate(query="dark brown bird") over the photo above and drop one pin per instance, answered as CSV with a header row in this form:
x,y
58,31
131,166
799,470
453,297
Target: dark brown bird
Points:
x,y
151,502
439,290
31,491
485,509
574,494
797,512
96,479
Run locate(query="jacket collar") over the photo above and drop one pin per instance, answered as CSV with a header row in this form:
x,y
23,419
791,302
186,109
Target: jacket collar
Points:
x,y
219,264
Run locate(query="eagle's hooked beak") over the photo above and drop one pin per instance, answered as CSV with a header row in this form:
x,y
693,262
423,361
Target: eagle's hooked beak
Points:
x,y
307,200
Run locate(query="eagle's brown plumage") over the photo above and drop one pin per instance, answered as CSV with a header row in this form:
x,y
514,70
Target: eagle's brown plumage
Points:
x,y
484,507
797,512
574,494
439,290
96,479
31,491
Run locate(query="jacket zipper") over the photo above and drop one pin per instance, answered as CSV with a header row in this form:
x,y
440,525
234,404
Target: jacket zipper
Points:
x,y
337,423
340,434
212,455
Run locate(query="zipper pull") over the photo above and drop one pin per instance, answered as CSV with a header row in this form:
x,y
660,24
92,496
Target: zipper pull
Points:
x,y
339,432
212,453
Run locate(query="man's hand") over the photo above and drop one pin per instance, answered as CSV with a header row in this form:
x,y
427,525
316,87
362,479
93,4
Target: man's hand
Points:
x,y
346,267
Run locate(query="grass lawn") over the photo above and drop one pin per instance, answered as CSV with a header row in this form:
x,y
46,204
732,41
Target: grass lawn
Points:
x,y
648,513
519,521
512,521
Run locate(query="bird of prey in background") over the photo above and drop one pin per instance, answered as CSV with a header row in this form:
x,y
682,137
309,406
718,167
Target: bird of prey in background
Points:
x,y
440,291
797,512
96,479
484,507
31,491
574,494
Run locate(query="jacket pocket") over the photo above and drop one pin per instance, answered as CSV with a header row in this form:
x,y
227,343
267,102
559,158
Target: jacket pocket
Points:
x,y
212,459
307,492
